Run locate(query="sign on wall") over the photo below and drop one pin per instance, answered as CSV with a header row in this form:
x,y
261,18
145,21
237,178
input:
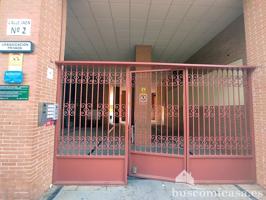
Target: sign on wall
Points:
x,y
143,96
15,62
50,73
18,27
13,77
16,47
14,92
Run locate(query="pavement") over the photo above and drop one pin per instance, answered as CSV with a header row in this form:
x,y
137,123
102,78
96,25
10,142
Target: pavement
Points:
x,y
146,189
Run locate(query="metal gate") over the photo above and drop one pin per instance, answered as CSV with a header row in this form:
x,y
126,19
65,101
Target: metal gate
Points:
x,y
91,139
153,120
158,125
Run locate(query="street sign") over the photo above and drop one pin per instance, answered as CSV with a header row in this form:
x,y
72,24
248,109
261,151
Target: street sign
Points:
x,y
14,92
16,47
18,27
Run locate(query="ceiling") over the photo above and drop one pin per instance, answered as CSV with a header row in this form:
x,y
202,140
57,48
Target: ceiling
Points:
x,y
110,29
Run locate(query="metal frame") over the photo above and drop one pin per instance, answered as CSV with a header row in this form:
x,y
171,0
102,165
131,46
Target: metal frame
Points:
x,y
113,169
226,111
162,143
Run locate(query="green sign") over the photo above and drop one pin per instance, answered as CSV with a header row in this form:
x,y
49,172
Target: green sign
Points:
x,y
14,92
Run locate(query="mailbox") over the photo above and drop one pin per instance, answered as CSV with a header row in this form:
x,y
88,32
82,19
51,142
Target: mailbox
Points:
x,y
47,112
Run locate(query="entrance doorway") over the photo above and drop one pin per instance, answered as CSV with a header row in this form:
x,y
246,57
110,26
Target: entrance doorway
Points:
x,y
117,120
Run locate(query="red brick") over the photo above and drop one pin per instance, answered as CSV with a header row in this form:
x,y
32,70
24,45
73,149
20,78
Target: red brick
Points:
x,y
26,150
255,30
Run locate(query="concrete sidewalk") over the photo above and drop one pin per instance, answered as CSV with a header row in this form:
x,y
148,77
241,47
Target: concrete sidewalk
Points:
x,y
146,189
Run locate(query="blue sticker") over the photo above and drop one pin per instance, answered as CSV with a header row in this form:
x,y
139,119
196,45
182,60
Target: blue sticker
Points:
x,y
13,77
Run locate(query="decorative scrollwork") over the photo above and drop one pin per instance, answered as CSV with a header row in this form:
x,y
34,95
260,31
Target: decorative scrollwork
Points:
x,y
194,79
80,77
222,145
103,110
116,78
120,110
239,112
69,109
173,110
173,80
86,109
90,77
193,111
67,77
209,111
90,144
224,111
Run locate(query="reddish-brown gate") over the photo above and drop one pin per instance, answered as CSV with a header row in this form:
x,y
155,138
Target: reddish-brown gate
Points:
x,y
220,139
157,126
153,120
91,138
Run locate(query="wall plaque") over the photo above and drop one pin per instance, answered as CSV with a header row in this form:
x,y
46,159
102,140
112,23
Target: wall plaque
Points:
x,y
14,92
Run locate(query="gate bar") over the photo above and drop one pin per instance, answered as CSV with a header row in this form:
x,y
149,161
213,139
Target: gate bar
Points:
x,y
128,122
167,111
172,113
103,110
80,106
186,122
156,64
86,112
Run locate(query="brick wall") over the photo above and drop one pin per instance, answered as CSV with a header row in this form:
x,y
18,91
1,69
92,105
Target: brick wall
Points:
x,y
228,46
255,26
26,150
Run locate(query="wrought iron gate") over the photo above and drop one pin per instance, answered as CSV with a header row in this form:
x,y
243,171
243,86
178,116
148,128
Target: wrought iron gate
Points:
x,y
153,120
91,137
158,131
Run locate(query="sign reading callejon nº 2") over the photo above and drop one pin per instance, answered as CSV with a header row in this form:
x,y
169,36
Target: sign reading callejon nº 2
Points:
x,y
18,27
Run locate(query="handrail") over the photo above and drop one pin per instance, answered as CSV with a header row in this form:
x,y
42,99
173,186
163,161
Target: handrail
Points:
x,y
155,64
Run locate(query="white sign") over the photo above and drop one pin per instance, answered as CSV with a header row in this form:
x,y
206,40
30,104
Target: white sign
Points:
x,y
52,111
143,98
18,27
50,73
15,47
15,62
